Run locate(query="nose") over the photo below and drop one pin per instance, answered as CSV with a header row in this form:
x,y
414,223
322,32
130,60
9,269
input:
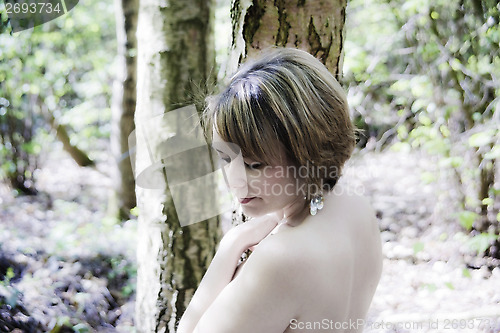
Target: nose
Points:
x,y
236,177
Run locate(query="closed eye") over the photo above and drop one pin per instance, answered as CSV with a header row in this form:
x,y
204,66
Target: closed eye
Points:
x,y
253,166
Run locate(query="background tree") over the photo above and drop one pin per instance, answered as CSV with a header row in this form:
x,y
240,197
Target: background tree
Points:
x,y
428,71
71,268
41,92
175,58
123,106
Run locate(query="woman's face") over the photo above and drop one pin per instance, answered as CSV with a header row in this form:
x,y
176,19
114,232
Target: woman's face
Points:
x,y
260,188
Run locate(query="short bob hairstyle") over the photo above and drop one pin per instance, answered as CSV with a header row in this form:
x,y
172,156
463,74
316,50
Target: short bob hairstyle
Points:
x,y
286,101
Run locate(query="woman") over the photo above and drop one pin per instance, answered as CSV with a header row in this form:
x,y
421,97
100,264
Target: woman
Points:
x,y
282,126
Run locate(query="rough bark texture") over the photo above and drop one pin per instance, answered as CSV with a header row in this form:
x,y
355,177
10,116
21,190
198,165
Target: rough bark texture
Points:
x,y
175,58
313,26
123,108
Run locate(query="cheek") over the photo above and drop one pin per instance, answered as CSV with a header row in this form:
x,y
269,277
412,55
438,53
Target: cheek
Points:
x,y
275,182
267,176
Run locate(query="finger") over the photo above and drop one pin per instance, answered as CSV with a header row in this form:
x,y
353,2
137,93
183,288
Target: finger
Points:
x,y
268,220
261,229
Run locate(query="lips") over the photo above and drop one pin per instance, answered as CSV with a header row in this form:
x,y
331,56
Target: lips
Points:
x,y
246,200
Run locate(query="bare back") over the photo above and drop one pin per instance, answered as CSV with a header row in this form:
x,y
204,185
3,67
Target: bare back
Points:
x,y
337,267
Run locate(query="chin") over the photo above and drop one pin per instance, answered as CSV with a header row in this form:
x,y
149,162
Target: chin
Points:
x,y
255,212
252,212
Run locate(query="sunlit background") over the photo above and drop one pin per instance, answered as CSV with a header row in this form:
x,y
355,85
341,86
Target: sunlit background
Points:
x,y
423,84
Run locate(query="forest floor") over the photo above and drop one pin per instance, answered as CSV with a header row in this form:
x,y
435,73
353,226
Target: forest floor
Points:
x,y
432,279
65,267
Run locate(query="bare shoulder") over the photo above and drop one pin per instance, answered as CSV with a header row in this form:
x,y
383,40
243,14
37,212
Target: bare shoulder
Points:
x,y
358,222
346,198
330,260
278,253
299,253
351,213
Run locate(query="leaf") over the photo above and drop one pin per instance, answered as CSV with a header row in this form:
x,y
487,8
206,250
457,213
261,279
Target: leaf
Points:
x,y
430,286
453,161
10,273
81,328
455,64
401,146
31,148
481,139
480,243
402,132
436,145
467,219
418,247
493,154
419,104
134,211
401,85
487,201
444,131
424,120
428,177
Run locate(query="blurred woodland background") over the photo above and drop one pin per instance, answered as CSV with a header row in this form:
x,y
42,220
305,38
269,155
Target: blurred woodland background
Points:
x,y
423,83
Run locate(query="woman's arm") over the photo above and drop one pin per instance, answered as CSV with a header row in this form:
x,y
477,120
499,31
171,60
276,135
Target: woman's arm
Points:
x,y
223,266
264,297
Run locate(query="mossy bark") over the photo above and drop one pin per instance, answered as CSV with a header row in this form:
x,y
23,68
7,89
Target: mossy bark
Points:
x,y
313,26
175,58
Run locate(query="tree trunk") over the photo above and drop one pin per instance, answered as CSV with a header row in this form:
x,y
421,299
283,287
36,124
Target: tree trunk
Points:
x,y
123,107
313,26
175,58
78,155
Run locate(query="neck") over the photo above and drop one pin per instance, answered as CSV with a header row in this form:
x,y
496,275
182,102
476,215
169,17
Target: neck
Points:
x,y
294,213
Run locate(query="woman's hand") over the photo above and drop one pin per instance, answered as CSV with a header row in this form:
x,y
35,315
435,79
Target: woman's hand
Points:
x,y
249,234
223,266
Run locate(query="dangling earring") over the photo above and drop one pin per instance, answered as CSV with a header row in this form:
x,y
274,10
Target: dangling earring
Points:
x,y
316,203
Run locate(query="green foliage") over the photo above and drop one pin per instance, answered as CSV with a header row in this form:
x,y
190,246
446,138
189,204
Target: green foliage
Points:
x,y
431,68
8,276
9,295
482,242
418,247
123,269
467,219
4,20
134,211
449,285
61,69
78,236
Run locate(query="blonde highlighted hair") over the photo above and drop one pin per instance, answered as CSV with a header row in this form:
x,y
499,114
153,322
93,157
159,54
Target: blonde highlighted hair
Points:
x,y
286,100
